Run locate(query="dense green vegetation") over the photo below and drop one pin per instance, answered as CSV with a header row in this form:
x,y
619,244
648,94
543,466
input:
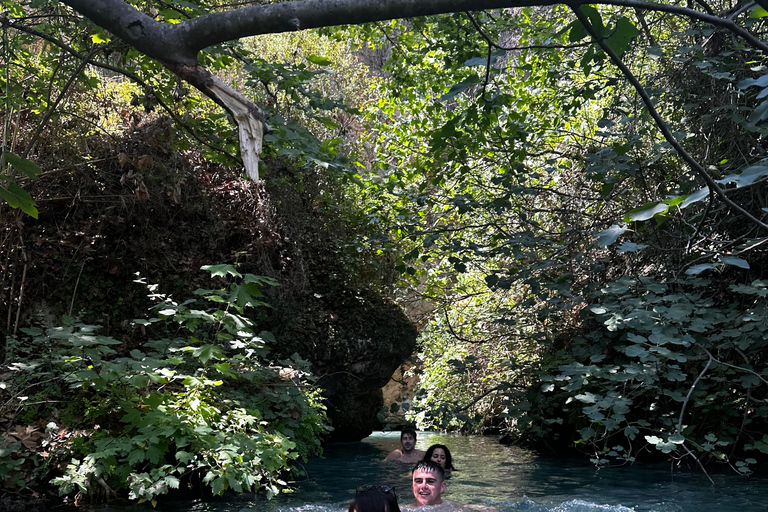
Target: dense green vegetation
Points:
x,y
569,200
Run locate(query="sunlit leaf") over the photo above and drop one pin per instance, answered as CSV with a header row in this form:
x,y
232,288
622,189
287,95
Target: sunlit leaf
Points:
x,y
647,211
697,196
746,177
610,235
319,60
737,262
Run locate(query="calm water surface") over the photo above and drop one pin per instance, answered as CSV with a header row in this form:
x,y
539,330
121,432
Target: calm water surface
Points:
x,y
508,479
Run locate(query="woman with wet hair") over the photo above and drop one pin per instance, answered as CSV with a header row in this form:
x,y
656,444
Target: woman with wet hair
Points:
x,y
374,498
440,454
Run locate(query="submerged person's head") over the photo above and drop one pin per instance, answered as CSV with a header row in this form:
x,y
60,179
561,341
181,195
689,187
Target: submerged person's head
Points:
x,y
374,498
408,439
440,454
428,483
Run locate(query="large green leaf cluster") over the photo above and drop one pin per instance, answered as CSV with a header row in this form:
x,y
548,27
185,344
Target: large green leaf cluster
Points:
x,y
666,369
199,403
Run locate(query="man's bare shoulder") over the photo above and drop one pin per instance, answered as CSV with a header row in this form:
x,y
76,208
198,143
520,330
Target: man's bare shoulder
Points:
x,y
394,455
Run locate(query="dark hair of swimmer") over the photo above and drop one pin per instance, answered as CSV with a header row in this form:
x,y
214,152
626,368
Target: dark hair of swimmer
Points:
x,y
431,467
374,498
448,458
408,431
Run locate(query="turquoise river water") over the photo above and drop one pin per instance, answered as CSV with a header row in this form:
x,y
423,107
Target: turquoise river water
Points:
x,y
506,479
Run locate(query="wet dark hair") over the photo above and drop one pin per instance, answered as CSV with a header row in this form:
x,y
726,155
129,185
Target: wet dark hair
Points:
x,y
448,458
431,467
408,431
374,498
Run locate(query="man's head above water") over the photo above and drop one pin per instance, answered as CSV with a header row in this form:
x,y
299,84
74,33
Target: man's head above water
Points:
x,y
407,452
408,439
428,483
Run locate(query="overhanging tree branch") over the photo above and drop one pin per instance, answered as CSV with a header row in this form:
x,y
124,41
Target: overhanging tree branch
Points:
x,y
662,125
176,45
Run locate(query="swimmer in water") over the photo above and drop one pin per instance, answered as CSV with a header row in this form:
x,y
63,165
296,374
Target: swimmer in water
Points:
x,y
374,498
408,452
442,455
428,484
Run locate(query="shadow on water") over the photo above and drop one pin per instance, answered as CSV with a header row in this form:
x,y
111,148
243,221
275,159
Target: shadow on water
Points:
x,y
505,478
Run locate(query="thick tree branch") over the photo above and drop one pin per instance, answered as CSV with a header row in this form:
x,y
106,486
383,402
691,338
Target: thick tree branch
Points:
x,y
183,40
176,45
161,41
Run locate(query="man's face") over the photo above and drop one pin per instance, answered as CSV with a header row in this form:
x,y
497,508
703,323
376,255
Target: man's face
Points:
x,y
427,487
408,441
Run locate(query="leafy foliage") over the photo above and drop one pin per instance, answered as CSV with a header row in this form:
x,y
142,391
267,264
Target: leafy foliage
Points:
x,y
523,179
661,371
520,165
200,401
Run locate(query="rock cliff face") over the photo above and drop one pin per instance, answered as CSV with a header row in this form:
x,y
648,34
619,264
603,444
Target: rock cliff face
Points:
x,y
398,394
163,214
355,344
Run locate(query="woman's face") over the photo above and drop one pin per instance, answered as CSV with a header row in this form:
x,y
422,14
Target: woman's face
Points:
x,y
438,455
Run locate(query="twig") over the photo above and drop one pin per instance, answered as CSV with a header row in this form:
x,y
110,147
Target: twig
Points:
x,y
494,44
74,291
701,466
21,289
690,392
61,96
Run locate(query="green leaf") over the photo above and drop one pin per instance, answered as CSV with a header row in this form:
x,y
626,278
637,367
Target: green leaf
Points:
x,y
610,235
647,211
594,19
577,32
630,247
749,82
758,12
746,177
623,35
698,269
17,197
476,61
636,351
760,113
697,196
460,87
208,352
23,165
184,457
737,262
319,60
